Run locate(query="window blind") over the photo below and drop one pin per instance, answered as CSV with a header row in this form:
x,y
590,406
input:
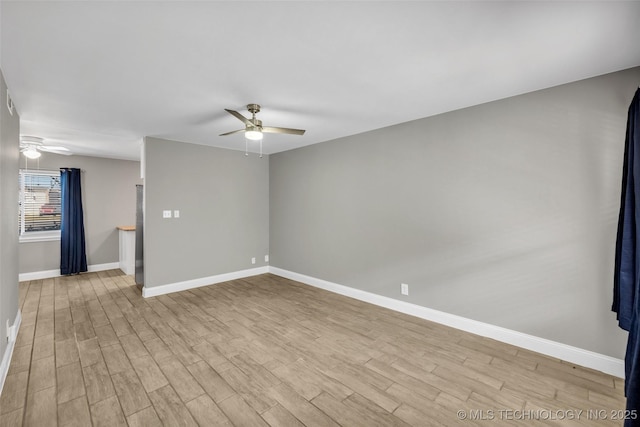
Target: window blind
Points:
x,y
39,207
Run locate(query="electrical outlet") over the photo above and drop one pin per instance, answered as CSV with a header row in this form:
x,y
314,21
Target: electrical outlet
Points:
x,y
11,332
253,260
176,214
266,258
404,289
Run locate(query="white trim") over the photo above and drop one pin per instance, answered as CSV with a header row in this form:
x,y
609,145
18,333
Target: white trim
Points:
x,y
204,281
586,358
8,352
48,274
39,236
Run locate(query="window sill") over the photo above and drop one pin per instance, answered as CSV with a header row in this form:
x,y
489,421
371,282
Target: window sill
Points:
x,y
40,236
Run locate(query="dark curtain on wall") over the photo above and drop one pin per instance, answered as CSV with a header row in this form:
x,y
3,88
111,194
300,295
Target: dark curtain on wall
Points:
x,y
73,258
626,287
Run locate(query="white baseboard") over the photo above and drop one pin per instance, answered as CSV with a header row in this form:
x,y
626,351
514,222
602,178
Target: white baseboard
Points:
x,y
586,358
48,274
204,281
6,357
103,267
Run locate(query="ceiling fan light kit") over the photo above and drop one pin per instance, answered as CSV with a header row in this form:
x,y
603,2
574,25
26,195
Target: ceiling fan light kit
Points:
x,y
253,127
31,153
253,135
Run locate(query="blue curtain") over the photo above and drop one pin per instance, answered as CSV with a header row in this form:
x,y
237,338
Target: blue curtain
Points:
x,y
626,287
73,258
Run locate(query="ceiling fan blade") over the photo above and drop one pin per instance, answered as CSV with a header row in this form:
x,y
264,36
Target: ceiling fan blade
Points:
x,y
56,150
53,148
289,131
233,132
240,117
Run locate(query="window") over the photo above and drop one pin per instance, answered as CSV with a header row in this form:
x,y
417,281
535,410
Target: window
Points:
x,y
39,207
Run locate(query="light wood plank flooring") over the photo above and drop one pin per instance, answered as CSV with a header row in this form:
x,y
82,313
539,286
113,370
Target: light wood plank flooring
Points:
x,y
269,351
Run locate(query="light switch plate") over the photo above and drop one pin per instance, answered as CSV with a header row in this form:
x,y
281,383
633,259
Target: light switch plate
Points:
x,y
176,214
166,214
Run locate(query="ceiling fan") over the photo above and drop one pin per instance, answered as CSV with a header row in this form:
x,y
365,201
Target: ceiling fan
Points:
x,y
253,127
31,146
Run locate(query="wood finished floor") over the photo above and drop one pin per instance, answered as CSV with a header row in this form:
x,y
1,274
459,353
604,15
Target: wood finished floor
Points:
x,y
269,351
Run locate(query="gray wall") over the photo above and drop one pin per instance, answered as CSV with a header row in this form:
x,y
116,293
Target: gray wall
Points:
x,y
9,152
504,213
108,200
223,199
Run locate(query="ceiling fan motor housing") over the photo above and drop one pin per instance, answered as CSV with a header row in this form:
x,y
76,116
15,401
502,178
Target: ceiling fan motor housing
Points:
x,y
253,108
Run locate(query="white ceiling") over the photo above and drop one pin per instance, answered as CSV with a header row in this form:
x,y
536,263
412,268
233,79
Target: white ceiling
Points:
x,y
98,76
